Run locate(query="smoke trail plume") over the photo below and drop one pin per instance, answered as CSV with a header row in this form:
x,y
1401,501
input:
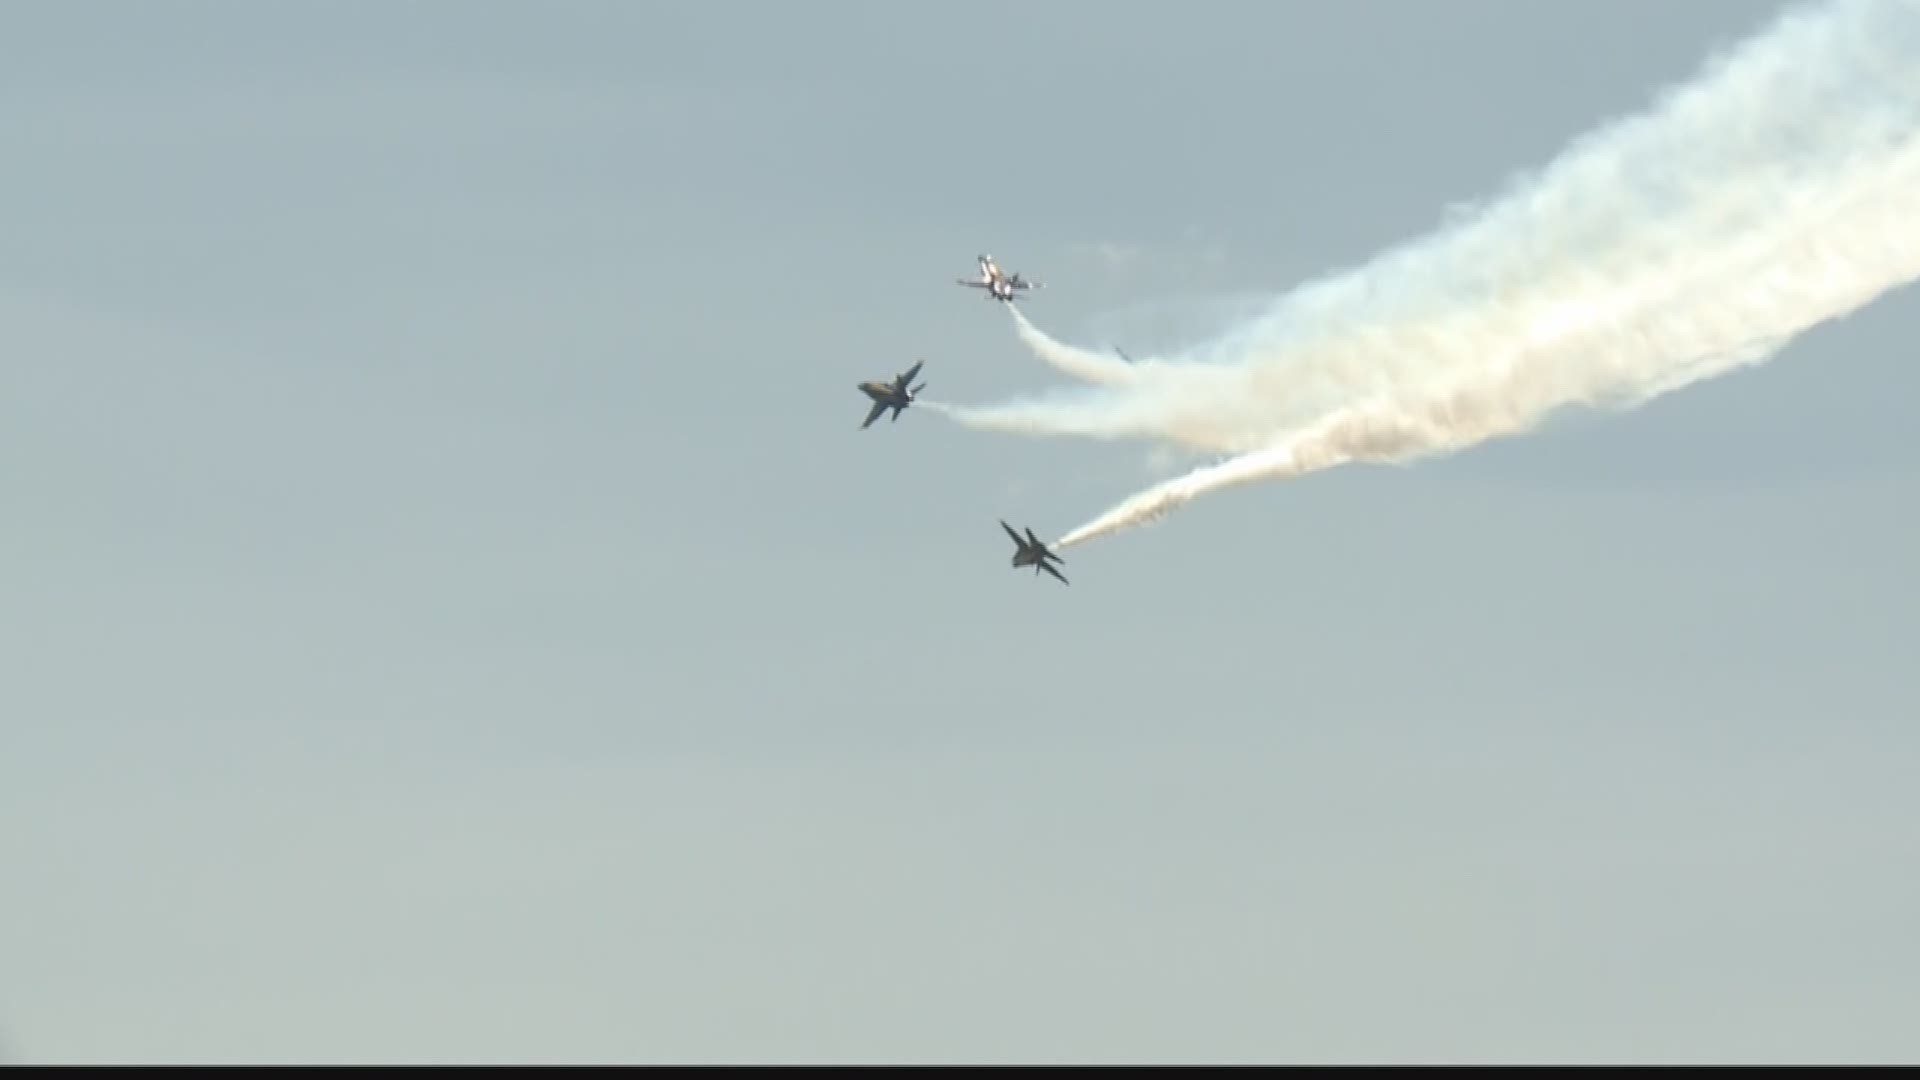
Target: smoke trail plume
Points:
x,y
1081,364
1778,190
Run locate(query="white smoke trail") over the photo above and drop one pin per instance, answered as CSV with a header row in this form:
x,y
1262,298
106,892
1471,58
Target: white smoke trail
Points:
x,y
1080,363
1778,190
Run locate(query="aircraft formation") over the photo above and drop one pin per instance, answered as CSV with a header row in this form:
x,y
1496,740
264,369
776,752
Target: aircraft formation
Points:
x,y
898,394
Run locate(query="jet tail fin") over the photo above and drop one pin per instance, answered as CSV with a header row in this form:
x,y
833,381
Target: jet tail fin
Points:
x,y
1038,548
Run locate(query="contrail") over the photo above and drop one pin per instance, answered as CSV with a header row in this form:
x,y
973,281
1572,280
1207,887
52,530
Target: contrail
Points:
x,y
1776,191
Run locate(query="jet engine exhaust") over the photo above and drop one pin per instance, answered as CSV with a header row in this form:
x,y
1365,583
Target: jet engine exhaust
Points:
x,y
1776,191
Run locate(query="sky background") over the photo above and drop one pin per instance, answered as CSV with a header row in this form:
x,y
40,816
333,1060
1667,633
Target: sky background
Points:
x,y
450,614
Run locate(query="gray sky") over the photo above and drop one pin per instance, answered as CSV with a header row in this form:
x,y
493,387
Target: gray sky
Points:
x,y
452,615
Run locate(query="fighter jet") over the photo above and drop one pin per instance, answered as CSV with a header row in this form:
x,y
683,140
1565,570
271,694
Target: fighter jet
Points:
x,y
893,395
999,284
1031,552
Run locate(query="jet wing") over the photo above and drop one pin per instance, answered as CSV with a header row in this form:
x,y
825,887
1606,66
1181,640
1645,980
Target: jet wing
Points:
x,y
911,372
874,414
1048,567
1015,535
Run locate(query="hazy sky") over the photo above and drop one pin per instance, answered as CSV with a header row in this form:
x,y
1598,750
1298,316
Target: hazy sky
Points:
x,y
450,614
